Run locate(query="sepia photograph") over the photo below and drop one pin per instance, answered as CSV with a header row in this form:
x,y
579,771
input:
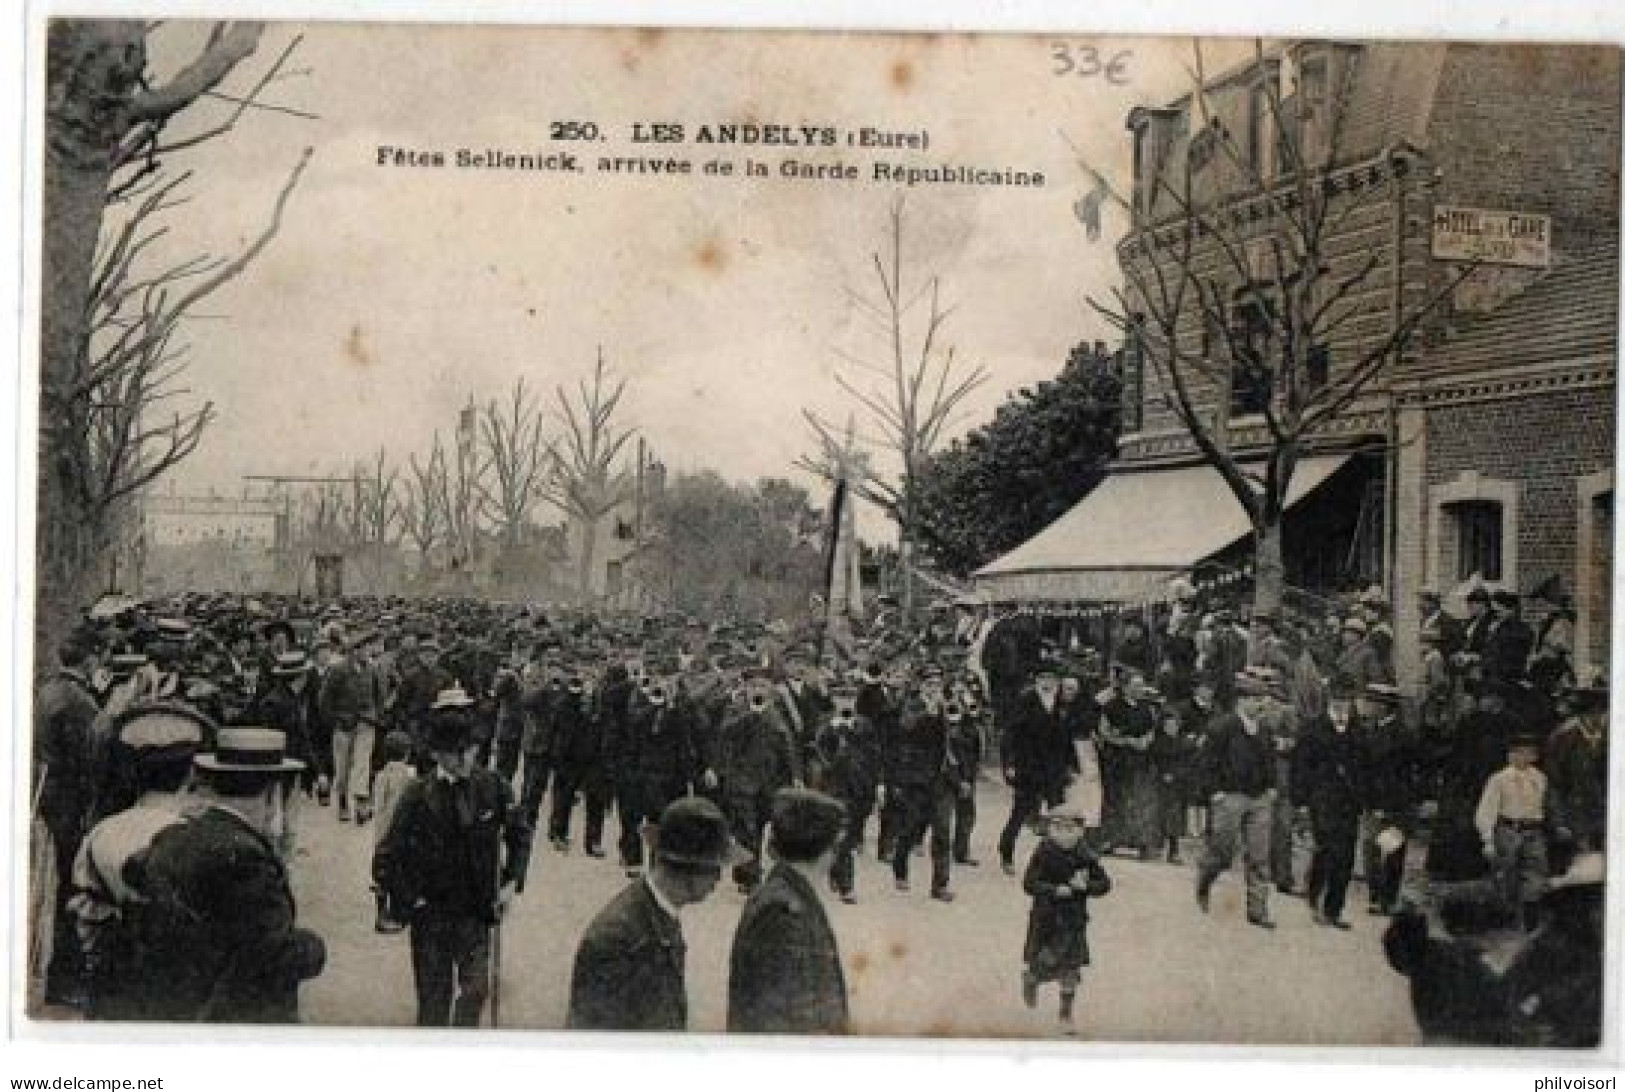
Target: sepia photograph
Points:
x,y
959,536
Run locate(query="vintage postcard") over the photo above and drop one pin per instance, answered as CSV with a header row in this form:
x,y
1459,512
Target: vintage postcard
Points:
x,y
948,535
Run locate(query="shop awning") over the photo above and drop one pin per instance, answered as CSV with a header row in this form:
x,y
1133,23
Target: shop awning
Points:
x,y
1134,532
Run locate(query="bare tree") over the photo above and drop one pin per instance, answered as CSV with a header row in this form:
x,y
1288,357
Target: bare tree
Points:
x,y
420,505
585,483
110,353
913,395
373,513
1239,299
519,458
451,483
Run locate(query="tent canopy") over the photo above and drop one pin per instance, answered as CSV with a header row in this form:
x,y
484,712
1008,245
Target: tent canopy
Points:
x,y
1136,530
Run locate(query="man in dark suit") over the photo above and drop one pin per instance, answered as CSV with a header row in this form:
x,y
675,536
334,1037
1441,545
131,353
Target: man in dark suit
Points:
x,y
651,759
216,938
1328,778
756,758
578,745
1509,641
923,776
64,715
784,974
800,701
453,858
847,752
628,973
1479,621
1039,758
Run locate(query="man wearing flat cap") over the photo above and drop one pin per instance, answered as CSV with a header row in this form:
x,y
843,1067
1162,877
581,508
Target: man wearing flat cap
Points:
x,y
219,940
452,860
1240,776
629,967
784,973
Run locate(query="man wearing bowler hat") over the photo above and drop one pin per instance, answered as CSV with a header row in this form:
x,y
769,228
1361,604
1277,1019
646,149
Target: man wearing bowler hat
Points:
x,y
784,974
629,968
218,939
453,859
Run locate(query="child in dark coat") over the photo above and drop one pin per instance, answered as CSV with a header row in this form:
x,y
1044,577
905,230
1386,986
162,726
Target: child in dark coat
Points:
x,y
1061,877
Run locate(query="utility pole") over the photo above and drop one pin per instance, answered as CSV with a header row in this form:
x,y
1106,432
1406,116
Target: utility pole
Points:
x,y
283,541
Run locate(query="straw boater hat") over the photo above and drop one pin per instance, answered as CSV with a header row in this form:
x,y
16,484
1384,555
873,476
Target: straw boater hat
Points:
x,y
453,697
249,750
162,731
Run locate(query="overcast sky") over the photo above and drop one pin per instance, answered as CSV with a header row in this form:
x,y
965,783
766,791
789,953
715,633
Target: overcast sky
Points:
x,y
394,294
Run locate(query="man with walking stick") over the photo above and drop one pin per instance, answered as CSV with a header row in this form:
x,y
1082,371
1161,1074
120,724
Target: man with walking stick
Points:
x,y
453,859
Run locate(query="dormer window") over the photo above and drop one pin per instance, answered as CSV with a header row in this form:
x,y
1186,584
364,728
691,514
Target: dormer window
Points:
x,y
1155,132
1314,109
1260,133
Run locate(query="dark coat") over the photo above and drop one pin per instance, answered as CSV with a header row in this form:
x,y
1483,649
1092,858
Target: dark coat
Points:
x,y
508,695
1173,759
917,753
1390,761
63,718
578,732
628,972
757,754
1506,649
539,702
654,747
1057,940
217,940
1328,774
784,975
419,684
849,761
1012,649
802,712
433,859
1576,765
1236,761
1037,746
296,714
346,696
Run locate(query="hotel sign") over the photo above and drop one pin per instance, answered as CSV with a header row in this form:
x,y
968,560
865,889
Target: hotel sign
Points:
x,y
1492,236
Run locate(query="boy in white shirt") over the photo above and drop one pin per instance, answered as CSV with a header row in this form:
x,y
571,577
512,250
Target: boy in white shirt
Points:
x,y
1511,820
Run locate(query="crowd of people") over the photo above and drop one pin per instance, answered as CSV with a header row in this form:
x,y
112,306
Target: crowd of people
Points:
x,y
177,742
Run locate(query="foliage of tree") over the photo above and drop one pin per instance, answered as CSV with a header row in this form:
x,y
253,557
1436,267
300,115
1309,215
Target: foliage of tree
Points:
x,y
1046,447
716,545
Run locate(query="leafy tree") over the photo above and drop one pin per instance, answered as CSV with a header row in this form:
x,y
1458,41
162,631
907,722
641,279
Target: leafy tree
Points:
x,y
735,547
1044,450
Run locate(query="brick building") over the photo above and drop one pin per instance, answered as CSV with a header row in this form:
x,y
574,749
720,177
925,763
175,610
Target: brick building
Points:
x,y
1490,438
